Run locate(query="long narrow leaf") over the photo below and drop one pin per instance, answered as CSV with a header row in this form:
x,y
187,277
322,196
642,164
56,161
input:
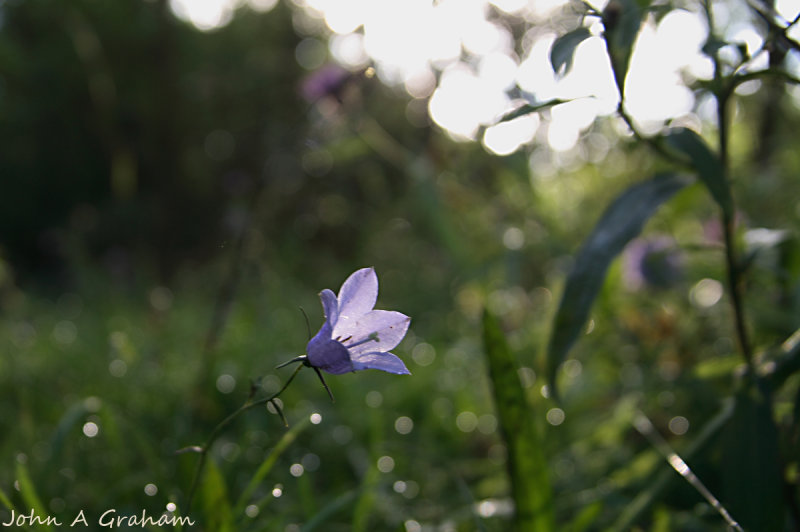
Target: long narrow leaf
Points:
x,y
707,165
266,466
5,501
751,472
326,512
29,494
529,108
622,20
527,466
214,498
621,222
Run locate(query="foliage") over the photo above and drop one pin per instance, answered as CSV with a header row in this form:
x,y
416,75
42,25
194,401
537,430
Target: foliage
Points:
x,y
171,199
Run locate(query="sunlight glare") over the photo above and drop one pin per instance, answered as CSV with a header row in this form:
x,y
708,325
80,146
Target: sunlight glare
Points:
x,y
535,74
262,6
568,121
205,15
498,69
463,102
509,6
591,75
506,137
348,50
403,37
655,91
344,16
544,9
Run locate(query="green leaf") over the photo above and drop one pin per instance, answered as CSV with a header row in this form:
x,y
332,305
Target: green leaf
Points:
x,y
527,465
214,497
620,223
529,108
751,472
563,49
622,20
5,501
586,518
29,495
706,164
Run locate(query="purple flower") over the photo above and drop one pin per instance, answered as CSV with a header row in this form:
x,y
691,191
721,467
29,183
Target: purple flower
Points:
x,y
655,263
328,80
354,336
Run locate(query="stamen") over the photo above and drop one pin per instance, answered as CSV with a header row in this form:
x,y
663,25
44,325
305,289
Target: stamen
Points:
x,y
371,337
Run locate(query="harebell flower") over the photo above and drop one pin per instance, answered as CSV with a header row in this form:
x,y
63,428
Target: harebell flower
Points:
x,y
354,336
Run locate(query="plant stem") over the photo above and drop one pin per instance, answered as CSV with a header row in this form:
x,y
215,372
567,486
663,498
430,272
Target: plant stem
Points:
x,y
203,451
734,273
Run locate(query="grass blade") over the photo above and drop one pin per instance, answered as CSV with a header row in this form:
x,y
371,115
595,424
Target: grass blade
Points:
x,y
527,466
29,494
214,499
646,498
266,466
646,429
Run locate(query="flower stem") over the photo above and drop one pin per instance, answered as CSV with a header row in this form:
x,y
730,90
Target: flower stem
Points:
x,y
734,272
203,451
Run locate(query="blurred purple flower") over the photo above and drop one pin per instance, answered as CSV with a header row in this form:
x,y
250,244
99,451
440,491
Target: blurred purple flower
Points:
x,y
653,262
354,336
327,80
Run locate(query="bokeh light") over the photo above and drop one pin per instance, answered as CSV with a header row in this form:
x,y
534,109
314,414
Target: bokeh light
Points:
x,y
409,41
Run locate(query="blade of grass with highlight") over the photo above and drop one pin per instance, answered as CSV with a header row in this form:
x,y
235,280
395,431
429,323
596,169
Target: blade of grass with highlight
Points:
x,y
526,464
646,498
266,466
29,494
5,501
645,427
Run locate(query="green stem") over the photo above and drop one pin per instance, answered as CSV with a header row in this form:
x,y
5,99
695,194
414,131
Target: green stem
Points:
x,y
734,272
654,142
203,451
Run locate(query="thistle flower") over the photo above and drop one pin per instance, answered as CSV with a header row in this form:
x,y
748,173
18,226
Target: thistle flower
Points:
x,y
654,263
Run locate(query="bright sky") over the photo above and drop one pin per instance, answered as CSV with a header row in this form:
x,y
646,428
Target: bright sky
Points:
x,y
409,41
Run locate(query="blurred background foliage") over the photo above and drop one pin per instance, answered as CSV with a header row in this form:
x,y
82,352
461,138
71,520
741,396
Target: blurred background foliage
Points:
x,y
170,197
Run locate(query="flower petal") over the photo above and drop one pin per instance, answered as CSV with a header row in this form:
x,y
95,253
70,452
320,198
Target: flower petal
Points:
x,y
358,294
330,306
383,361
376,331
329,355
